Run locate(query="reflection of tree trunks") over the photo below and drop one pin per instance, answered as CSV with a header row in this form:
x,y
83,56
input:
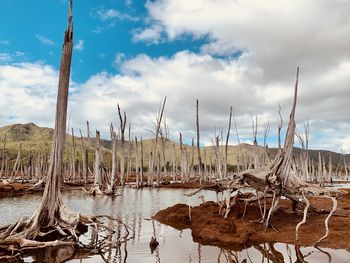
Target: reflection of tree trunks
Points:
x,y
270,253
300,256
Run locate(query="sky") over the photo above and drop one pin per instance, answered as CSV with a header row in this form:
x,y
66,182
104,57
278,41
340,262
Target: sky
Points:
x,y
239,53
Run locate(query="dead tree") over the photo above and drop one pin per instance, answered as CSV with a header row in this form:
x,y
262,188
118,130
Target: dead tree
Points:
x,y
279,127
255,125
16,166
198,144
111,186
84,155
73,156
3,161
154,150
141,164
226,144
303,138
279,179
129,168
122,119
52,220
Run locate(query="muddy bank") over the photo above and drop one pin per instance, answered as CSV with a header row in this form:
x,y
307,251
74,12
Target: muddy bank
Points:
x,y
236,233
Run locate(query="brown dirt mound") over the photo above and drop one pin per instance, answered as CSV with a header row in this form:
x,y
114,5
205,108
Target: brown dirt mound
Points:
x,y
209,228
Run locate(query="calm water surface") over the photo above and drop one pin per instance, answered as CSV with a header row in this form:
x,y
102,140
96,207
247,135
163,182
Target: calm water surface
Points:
x,y
135,207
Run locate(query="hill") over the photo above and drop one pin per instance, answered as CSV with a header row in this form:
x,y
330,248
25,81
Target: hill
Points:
x,y
38,140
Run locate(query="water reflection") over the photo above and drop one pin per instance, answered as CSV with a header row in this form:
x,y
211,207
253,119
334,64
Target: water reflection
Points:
x,y
135,208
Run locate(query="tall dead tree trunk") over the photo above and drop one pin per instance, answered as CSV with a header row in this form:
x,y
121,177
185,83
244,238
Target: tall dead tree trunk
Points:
x,y
111,186
17,164
122,119
158,126
226,143
141,156
279,128
73,155
3,161
198,144
84,155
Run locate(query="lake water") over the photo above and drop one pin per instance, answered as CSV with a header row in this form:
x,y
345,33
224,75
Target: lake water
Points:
x,y
135,207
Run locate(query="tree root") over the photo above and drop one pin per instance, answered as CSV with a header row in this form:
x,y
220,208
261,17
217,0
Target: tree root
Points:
x,y
326,222
306,208
27,234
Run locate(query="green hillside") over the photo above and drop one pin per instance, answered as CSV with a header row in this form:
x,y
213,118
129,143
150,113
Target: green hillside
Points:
x,y
38,141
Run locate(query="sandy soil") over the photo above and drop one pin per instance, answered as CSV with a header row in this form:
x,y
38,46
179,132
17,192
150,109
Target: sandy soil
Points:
x,y
236,233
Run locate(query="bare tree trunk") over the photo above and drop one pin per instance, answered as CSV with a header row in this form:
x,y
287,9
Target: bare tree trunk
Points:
x,y
84,155
158,123
17,165
122,119
255,125
198,144
141,168
279,127
137,163
3,170
97,167
73,156
111,187
51,201
226,144
129,153
330,168
174,170
192,159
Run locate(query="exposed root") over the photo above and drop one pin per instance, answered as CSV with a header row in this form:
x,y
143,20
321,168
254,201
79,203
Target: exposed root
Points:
x,y
306,208
326,222
273,208
27,234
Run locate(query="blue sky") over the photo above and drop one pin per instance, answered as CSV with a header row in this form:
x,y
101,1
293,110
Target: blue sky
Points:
x,y
106,28
222,52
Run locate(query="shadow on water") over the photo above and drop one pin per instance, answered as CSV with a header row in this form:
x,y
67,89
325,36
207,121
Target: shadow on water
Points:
x,y
135,208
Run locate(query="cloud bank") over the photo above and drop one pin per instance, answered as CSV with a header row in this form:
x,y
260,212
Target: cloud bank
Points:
x,y
272,38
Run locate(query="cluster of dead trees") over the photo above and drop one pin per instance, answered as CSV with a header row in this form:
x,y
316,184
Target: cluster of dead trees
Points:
x,y
127,161
282,176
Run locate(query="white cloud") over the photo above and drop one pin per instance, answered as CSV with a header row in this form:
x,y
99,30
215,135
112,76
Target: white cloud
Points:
x,y
80,45
28,93
111,14
119,58
152,34
45,40
274,37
